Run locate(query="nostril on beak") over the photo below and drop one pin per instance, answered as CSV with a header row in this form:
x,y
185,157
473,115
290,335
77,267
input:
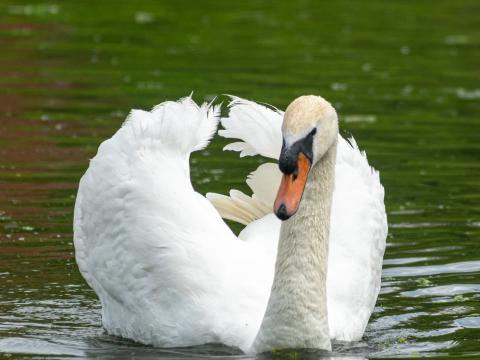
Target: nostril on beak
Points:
x,y
282,212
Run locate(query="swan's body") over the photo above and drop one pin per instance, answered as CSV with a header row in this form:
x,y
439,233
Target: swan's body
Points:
x,y
169,271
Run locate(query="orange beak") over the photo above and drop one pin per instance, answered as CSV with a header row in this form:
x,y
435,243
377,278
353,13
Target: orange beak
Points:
x,y
291,189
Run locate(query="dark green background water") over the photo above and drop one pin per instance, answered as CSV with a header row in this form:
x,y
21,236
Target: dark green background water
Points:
x,y
403,75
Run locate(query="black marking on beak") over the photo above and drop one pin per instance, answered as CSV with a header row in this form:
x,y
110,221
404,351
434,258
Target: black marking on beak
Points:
x,y
282,212
287,161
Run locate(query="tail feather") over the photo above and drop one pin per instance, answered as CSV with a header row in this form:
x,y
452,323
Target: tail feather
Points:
x,y
244,209
255,207
229,209
238,207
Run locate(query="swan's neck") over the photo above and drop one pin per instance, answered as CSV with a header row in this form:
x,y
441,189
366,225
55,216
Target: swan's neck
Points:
x,y
296,315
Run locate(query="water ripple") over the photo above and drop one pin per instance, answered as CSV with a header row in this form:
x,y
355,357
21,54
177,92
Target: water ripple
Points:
x,y
443,290
452,268
469,322
17,345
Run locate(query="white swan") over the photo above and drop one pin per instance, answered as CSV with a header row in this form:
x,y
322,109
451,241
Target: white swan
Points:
x,y
170,272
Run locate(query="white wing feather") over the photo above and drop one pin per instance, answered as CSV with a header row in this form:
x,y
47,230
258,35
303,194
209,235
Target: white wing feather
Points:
x,y
257,126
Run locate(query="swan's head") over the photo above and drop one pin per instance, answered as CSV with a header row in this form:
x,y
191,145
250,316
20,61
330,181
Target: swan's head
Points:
x,y
310,127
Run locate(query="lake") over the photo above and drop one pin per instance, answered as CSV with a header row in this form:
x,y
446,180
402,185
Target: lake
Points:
x,y
404,77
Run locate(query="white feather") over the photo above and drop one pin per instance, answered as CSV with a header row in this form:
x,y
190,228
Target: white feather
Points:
x,y
264,183
257,126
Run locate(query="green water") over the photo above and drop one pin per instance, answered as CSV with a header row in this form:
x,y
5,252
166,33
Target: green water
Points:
x,y
403,75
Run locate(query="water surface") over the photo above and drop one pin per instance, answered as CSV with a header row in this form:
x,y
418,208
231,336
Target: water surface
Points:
x,y
403,76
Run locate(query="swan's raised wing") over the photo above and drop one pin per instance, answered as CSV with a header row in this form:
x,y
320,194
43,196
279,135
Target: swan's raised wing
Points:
x,y
163,263
358,219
